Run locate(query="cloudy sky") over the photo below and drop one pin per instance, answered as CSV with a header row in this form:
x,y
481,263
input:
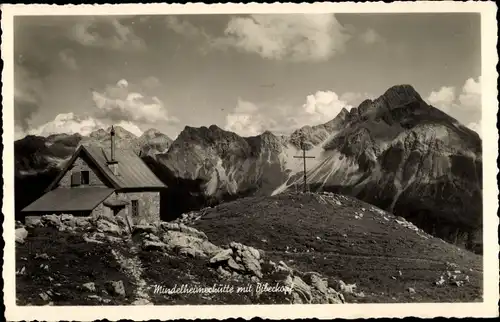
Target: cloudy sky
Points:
x,y
244,73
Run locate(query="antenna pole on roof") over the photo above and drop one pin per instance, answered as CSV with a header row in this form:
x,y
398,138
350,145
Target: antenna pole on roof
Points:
x,y
112,143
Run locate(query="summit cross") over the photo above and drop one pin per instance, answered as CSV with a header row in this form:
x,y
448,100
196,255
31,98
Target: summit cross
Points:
x,y
304,157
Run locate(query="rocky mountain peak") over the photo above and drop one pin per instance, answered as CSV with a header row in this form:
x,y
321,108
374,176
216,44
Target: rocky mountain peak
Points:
x,y
400,95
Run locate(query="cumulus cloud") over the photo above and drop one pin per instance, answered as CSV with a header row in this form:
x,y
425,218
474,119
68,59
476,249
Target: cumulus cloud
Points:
x,y
370,37
322,107
71,123
298,37
444,98
121,103
68,123
465,107
471,94
107,32
295,37
248,119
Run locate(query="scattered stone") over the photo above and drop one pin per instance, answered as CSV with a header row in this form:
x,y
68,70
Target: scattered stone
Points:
x,y
90,286
51,220
44,296
177,240
91,240
146,229
411,290
22,271
222,256
153,245
116,288
42,256
21,234
108,227
141,302
168,226
68,220
113,239
191,252
224,273
341,286
82,222
282,267
249,257
301,292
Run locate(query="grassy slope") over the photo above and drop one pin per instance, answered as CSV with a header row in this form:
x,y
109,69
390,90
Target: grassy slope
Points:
x,y
327,238
72,262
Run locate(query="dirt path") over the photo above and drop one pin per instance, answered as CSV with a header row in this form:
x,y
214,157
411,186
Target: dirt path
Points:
x,y
133,268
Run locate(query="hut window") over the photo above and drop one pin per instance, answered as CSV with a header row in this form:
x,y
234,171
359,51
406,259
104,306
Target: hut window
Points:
x,y
135,208
85,177
76,179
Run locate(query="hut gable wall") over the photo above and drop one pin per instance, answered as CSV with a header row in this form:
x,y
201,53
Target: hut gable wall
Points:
x,y
82,165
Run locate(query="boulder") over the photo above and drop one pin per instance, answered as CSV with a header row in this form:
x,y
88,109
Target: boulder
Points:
x,y
168,226
301,292
21,234
222,256
44,296
68,220
124,224
248,256
51,220
90,286
231,263
116,288
33,221
145,228
177,240
108,227
82,222
223,273
191,252
153,245
282,267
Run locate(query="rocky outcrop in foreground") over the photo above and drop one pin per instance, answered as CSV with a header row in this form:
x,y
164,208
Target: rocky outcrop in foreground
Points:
x,y
236,264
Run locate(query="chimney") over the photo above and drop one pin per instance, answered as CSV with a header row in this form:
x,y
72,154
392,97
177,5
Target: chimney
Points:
x,y
112,163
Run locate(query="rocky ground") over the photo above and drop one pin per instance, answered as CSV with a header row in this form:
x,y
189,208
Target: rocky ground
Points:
x,y
304,248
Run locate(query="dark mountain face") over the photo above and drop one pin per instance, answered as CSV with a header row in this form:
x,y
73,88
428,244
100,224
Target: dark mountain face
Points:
x,y
410,158
396,152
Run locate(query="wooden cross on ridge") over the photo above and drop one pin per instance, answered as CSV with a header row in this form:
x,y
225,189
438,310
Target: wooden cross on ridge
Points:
x,y
304,156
